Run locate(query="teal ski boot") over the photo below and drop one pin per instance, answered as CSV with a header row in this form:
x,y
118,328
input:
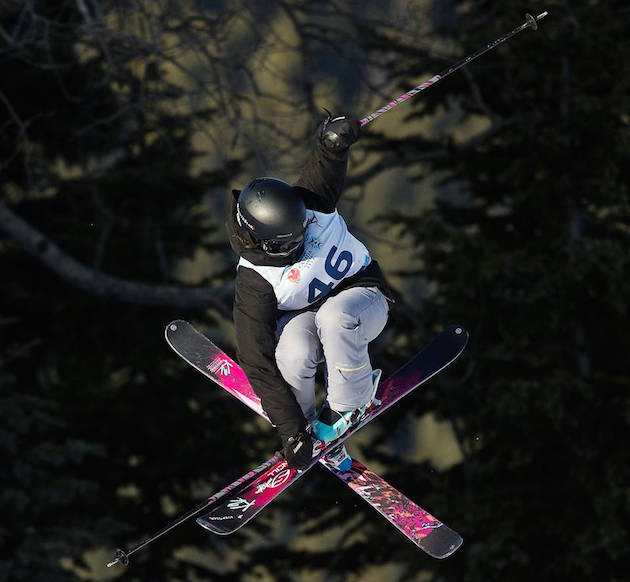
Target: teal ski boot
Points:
x,y
331,424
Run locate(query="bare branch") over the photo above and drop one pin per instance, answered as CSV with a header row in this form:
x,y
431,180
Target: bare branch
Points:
x,y
85,13
105,286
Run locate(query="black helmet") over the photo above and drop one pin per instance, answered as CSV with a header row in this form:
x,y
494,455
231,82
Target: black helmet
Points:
x,y
274,214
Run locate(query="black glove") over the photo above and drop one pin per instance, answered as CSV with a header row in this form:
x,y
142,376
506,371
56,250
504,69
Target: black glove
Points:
x,y
339,133
298,450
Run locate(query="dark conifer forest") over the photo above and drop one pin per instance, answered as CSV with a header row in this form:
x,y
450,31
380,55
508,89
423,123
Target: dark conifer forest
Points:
x,y
498,200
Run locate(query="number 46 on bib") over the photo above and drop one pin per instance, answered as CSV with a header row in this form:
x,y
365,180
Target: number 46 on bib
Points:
x,y
335,267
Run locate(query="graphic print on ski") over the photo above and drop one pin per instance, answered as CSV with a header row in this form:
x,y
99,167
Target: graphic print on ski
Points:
x,y
235,512
416,524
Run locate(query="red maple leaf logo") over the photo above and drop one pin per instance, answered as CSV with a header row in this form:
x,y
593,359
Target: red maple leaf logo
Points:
x,y
294,275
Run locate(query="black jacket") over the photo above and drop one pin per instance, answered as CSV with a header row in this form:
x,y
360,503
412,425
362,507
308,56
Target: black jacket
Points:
x,y
255,305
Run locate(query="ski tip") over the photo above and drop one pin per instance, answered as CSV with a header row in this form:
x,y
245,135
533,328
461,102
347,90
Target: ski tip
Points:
x,y
203,523
459,331
175,326
206,524
442,543
452,549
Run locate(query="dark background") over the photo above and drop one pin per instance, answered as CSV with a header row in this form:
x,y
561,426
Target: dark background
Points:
x,y
498,199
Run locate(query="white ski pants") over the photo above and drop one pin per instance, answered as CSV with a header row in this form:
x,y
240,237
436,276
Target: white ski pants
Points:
x,y
338,333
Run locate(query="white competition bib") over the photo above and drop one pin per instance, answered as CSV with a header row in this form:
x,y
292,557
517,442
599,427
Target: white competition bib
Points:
x,y
330,255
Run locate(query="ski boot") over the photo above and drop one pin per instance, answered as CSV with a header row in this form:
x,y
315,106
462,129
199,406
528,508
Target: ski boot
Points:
x,y
331,424
339,459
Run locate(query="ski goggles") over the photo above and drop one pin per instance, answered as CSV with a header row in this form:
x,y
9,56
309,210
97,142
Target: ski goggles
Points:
x,y
282,248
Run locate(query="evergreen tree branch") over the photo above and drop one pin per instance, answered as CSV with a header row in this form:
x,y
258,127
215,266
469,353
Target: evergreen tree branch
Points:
x,y
404,156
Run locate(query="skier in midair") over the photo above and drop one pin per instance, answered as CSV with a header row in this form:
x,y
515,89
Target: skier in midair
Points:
x,y
306,292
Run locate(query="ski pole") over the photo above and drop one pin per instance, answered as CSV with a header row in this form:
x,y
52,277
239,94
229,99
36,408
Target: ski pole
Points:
x,y
122,557
530,22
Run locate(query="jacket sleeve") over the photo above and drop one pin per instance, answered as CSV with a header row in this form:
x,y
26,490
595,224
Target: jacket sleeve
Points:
x,y
322,178
255,317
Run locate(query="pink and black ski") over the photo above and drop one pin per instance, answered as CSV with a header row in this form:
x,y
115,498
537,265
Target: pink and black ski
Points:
x,y
416,524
